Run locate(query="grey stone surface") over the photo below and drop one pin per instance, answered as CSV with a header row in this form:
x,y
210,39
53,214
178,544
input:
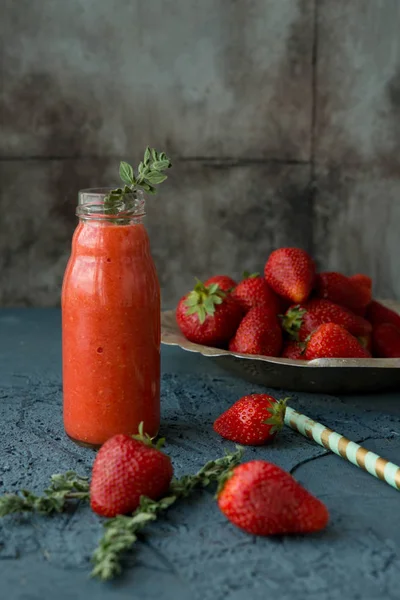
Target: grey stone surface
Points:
x,y
358,84
356,224
287,96
246,209
200,79
193,552
357,140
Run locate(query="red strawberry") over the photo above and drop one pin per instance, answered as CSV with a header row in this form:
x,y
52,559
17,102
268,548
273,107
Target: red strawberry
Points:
x,y
294,350
258,333
301,320
342,290
333,341
363,280
290,272
386,341
254,291
224,282
252,420
377,314
124,470
207,315
262,499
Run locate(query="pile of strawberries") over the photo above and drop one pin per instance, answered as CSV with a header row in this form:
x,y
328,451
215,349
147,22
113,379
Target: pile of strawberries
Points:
x,y
292,311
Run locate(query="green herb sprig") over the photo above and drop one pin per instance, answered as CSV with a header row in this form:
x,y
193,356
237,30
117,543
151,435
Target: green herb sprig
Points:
x,y
150,173
63,488
121,532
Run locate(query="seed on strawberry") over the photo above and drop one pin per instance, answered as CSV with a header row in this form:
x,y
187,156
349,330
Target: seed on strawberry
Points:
x,y
124,470
333,341
302,320
254,291
290,272
262,499
253,420
342,290
224,282
258,333
386,341
207,315
377,313
294,350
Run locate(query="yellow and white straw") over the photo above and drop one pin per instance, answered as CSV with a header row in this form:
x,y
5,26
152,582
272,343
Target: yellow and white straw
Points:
x,y
354,453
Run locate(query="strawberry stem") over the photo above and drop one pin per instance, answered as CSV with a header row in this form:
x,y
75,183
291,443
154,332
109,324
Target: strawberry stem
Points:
x,y
277,418
292,321
203,299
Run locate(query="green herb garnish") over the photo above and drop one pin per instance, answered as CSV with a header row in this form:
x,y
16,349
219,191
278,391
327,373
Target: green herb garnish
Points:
x,y
149,174
62,489
121,532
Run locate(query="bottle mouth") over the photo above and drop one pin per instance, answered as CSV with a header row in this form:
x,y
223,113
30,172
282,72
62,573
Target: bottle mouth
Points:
x,y
93,203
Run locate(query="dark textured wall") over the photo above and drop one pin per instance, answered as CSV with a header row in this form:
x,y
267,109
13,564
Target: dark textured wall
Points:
x,y
282,118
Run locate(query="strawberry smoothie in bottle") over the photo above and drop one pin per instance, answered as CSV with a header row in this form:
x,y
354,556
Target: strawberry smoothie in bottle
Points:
x,y
111,312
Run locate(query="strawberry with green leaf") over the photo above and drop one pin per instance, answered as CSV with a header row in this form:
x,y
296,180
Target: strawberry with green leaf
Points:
x,y
208,315
253,420
302,320
125,469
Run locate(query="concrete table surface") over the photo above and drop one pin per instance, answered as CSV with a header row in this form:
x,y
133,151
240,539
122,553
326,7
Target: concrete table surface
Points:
x,y
192,552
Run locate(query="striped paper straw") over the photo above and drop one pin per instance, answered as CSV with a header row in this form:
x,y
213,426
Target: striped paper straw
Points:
x,y
354,453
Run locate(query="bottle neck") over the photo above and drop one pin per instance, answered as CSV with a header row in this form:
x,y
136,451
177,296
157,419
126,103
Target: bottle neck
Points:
x,y
95,205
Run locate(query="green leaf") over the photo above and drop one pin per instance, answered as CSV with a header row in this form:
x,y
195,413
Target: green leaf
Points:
x,y
147,155
154,177
214,287
160,165
126,172
202,314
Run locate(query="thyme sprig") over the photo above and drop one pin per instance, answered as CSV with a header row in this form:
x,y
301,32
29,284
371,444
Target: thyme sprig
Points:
x,y
121,532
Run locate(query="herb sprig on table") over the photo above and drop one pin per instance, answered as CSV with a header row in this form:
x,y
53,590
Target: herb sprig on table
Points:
x,y
150,173
63,488
121,532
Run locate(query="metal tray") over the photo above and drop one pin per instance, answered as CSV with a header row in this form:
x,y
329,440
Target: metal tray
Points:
x,y
323,375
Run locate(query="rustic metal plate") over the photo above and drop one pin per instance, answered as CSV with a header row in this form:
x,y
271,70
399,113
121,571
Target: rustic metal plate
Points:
x,y
323,375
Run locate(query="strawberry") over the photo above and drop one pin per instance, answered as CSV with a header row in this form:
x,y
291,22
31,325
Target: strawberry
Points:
x,y
124,470
254,291
301,320
224,282
258,333
342,290
253,420
207,315
377,314
363,280
290,272
262,499
386,341
333,341
294,350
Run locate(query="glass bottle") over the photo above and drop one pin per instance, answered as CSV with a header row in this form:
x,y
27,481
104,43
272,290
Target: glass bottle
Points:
x,y
110,323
